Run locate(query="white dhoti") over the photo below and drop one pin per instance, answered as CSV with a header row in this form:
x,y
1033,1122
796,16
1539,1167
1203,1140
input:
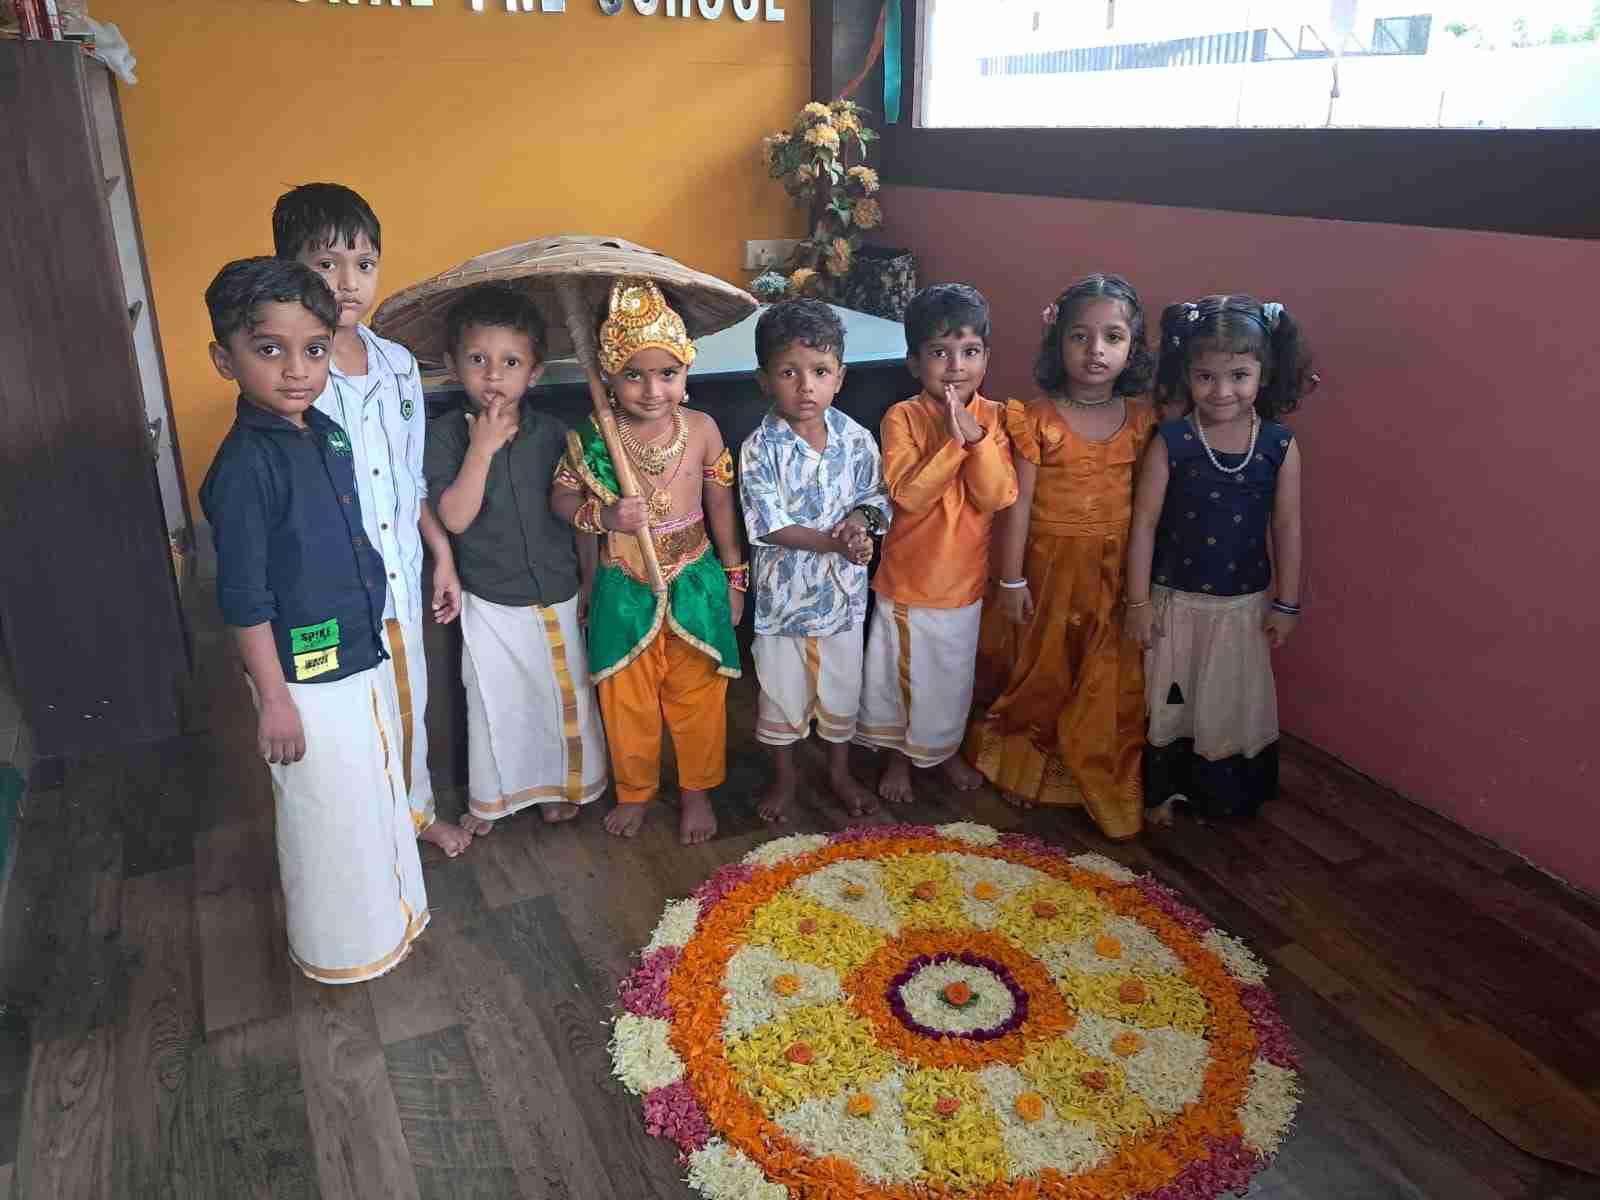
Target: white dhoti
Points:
x,y
347,848
410,663
533,725
805,679
916,695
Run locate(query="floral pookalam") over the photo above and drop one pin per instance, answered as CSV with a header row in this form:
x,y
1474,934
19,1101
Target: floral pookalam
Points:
x,y
944,1013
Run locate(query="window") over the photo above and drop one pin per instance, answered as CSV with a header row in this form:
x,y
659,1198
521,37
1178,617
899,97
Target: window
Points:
x,y
1261,64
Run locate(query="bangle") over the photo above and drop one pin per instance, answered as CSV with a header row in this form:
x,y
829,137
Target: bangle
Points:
x,y
1288,610
1013,584
1136,604
587,518
738,576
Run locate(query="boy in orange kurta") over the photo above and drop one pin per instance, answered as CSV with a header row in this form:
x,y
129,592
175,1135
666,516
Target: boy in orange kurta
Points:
x,y
947,463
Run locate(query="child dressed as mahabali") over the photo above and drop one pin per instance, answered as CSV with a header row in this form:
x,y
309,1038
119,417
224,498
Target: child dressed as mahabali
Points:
x,y
658,657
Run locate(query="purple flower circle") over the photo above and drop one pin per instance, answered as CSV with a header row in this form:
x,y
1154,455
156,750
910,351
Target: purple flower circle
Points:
x,y
897,1005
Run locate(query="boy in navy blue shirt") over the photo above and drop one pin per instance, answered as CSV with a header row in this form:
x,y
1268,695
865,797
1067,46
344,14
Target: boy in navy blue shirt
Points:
x,y
304,593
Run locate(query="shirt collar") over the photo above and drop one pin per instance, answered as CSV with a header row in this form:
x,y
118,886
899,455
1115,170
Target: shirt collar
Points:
x,y
831,417
259,418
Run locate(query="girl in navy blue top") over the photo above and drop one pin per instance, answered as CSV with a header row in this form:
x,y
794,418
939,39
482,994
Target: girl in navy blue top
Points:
x,y
1201,594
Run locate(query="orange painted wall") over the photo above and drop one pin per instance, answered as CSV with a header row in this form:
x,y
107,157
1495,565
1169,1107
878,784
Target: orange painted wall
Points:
x,y
465,131
1450,458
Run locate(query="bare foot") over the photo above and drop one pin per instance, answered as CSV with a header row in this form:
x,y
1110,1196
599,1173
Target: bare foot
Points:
x,y
962,774
895,786
697,823
624,820
857,800
1018,802
1161,814
446,835
477,826
774,804
554,814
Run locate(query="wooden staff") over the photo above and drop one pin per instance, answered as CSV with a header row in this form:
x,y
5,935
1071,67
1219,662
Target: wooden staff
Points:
x,y
579,325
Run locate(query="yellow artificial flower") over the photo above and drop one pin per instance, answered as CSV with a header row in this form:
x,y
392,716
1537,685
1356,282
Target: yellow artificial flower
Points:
x,y
867,214
848,122
816,111
800,280
866,177
824,136
780,138
839,257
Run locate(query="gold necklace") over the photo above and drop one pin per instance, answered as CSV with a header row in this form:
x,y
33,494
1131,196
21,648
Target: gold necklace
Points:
x,y
659,503
651,459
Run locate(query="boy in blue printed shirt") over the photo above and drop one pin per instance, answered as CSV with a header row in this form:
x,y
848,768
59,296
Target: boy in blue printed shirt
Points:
x,y
303,590
375,391
811,484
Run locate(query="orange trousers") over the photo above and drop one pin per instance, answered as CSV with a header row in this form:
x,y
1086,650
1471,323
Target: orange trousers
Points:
x,y
671,680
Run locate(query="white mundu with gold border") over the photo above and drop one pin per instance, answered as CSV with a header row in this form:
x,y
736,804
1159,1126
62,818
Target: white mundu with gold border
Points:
x,y
533,726
347,846
916,694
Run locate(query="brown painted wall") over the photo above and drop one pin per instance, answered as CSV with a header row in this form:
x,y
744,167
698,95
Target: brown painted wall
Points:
x,y
1451,462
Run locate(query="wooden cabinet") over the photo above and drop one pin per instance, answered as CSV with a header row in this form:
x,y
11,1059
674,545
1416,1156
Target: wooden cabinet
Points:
x,y
93,506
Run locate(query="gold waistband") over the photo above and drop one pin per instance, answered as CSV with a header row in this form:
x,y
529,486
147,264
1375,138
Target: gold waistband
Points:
x,y
678,544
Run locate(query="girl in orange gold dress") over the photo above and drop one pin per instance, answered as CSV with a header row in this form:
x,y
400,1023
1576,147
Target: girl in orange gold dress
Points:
x,y
1067,718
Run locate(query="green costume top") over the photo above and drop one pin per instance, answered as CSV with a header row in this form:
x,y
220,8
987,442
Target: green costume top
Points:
x,y
624,614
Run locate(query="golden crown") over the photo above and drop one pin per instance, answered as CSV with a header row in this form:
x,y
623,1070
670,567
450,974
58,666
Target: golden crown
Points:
x,y
640,319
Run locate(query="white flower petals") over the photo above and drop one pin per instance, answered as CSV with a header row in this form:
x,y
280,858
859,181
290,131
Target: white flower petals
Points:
x,y
1236,956
642,1055
832,887
1048,1143
1101,865
1268,1108
676,926
724,1172
748,994
876,1145
970,831
781,849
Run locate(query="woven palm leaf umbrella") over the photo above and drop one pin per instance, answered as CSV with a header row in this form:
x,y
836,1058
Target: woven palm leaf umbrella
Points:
x,y
569,279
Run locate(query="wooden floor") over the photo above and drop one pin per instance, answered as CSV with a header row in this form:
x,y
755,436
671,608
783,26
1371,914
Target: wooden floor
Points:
x,y
154,1041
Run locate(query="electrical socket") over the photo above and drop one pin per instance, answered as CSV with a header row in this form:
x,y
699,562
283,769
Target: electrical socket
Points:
x,y
758,255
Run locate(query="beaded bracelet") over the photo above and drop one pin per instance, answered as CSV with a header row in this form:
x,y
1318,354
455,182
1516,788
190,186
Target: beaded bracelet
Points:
x,y
1288,610
1013,584
738,576
1136,604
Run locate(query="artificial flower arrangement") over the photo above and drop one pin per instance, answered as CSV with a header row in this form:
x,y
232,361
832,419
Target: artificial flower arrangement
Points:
x,y
821,161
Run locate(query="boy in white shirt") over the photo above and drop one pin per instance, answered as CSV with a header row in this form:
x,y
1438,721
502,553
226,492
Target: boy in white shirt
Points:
x,y
375,392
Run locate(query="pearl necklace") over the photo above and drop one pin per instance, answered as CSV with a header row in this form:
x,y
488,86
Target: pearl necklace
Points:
x,y
1250,451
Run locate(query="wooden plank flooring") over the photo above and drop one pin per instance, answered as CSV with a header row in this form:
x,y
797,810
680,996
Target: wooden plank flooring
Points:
x,y
155,1041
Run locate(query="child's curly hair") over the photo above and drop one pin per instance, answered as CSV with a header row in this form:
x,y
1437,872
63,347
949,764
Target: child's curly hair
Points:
x,y
1236,325
1048,370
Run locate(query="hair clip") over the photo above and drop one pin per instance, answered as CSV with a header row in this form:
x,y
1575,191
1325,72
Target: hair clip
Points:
x,y
1176,341
1272,313
1049,315
1191,311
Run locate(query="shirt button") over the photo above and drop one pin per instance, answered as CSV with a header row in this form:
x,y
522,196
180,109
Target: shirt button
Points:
x,y
391,575
374,470
384,525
